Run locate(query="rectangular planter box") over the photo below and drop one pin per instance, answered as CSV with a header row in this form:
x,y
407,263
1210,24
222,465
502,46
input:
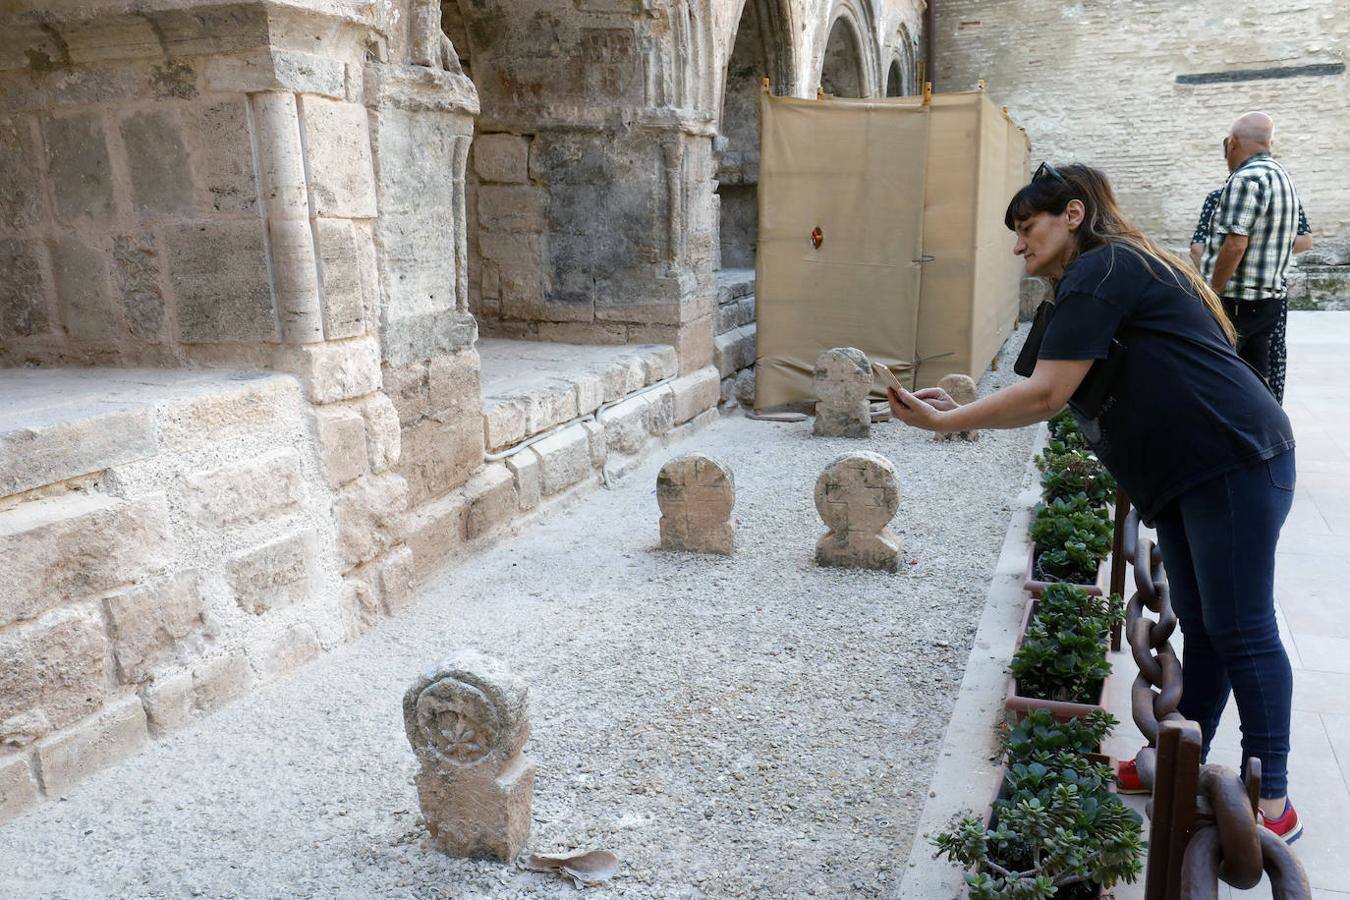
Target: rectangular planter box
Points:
x,y
1062,710
1035,586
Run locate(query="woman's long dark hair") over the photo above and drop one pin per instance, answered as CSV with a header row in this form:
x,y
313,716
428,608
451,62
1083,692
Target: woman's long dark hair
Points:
x,y
1104,223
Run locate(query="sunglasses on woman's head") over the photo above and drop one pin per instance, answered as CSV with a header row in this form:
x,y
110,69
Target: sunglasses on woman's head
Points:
x,y
1045,170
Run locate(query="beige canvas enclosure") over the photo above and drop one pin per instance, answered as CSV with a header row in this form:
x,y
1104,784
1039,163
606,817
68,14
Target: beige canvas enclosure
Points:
x,y
881,228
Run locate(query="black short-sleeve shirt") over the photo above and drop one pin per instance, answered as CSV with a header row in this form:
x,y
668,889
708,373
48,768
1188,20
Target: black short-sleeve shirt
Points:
x,y
1183,407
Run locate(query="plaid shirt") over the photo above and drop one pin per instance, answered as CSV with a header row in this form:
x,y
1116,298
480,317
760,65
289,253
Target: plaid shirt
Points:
x,y
1202,227
1258,201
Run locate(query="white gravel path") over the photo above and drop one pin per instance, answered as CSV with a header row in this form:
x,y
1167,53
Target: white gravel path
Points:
x,y
752,726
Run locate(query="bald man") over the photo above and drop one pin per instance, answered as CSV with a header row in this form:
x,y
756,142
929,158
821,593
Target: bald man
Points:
x,y
1251,239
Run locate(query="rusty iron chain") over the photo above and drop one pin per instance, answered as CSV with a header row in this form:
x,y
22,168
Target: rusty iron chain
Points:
x,y
1224,841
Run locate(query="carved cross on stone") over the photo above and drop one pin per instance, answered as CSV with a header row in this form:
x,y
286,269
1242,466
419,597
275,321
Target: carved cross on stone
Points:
x,y
960,388
857,496
843,380
696,494
467,721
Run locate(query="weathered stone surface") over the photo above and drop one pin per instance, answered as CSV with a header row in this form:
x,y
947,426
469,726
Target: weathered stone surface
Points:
x,y
857,495
161,177
467,719
524,467
626,424
383,436
960,388
136,277
370,514
22,201
501,157
18,787
407,387
274,69
660,411
114,734
515,208
344,300
504,422
453,385
225,178
659,363
78,168
843,379
245,492
439,456
273,575
337,370
342,443
564,459
337,142
22,729
63,548
151,625
492,500
54,665
437,533
696,494
590,392
744,390
23,300
595,433
219,272
54,445
694,393
734,350
397,578
292,648
169,702
82,288
220,680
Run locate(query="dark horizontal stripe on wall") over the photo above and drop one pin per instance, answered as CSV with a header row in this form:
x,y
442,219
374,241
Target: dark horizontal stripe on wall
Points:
x,y
1260,74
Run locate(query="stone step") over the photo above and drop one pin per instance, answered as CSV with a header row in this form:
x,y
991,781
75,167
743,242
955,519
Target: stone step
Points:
x,y
532,386
732,284
734,350
58,424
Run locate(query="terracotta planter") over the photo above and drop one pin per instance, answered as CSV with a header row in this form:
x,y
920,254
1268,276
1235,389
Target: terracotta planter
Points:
x,y
1034,586
1062,710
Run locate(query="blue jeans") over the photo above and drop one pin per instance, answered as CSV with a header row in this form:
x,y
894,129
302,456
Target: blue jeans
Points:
x,y
1218,542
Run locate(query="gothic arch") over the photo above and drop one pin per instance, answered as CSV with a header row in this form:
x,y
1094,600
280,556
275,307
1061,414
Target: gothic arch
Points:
x,y
900,72
847,52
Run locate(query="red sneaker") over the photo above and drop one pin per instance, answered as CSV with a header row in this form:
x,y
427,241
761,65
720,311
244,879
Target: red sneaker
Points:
x,y
1287,827
1127,779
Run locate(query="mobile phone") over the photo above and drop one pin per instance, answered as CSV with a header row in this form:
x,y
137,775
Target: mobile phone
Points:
x,y
887,376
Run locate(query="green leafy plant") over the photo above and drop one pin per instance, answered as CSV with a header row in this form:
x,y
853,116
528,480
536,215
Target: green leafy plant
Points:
x,y
1057,830
1067,473
1039,738
1063,652
1065,433
1073,537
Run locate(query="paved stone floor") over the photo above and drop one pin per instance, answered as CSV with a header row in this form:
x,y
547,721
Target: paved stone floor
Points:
x,y
1312,575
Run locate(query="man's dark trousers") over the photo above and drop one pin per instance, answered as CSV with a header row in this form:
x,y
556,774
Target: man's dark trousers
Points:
x,y
1256,322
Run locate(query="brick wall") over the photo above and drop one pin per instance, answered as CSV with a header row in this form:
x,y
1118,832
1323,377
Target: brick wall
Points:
x,y
1096,82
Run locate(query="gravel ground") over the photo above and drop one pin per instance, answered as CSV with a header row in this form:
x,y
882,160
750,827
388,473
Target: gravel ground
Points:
x,y
752,726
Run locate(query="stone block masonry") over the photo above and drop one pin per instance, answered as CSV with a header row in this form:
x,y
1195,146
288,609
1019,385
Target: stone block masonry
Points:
x,y
185,537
